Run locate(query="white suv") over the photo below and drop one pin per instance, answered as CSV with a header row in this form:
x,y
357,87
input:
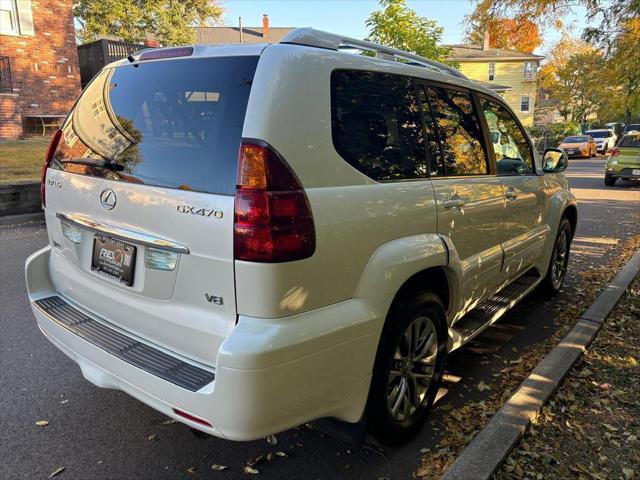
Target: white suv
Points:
x,y
250,237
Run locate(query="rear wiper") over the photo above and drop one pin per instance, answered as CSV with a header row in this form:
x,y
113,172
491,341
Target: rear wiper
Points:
x,y
96,162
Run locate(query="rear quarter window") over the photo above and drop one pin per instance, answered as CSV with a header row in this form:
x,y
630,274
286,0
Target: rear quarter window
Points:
x,y
376,124
175,124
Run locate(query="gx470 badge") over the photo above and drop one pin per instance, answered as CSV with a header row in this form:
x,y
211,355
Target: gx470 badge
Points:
x,y
203,212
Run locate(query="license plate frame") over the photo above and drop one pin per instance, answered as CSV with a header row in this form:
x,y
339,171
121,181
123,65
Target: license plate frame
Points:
x,y
113,259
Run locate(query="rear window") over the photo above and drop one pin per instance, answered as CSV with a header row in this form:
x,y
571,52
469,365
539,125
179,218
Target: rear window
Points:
x,y
174,124
630,141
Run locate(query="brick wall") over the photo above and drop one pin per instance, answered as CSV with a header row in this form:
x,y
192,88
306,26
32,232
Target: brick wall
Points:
x,y
44,66
10,117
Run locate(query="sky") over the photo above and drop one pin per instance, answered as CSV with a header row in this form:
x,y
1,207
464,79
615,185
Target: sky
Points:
x,y
348,17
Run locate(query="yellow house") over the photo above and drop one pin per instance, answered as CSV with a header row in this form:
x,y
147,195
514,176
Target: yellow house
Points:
x,y
511,74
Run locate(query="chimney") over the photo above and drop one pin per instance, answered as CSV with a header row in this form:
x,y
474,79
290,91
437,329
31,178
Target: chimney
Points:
x,y
485,40
265,26
240,27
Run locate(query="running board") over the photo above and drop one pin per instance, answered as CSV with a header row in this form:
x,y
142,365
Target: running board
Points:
x,y
494,307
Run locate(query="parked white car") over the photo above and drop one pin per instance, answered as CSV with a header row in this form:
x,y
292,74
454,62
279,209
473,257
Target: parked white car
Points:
x,y
250,237
605,139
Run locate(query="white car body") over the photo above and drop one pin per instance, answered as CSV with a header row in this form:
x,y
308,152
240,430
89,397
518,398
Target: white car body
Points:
x,y
283,343
605,139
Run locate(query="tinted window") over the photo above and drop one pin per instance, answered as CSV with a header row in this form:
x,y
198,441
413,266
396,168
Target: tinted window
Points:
x,y
458,131
174,124
376,125
598,134
576,139
632,141
510,146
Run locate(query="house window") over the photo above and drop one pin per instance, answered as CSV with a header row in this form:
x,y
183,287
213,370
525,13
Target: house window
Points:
x,y
97,108
16,17
529,68
492,71
525,103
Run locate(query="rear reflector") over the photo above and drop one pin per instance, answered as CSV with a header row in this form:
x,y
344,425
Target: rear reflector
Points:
x,y
614,152
53,146
193,418
273,221
166,53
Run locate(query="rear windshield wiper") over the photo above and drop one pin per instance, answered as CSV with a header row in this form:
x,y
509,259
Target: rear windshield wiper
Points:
x,y
96,162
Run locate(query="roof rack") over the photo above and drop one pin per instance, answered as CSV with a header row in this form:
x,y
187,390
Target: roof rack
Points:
x,y
317,38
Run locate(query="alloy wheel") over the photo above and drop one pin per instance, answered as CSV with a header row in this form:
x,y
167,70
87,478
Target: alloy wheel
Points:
x,y
560,258
412,368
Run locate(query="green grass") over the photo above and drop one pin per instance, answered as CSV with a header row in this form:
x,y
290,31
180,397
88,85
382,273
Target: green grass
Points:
x,y
21,160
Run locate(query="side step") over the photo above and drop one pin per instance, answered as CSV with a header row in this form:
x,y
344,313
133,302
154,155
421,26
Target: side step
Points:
x,y
494,307
125,348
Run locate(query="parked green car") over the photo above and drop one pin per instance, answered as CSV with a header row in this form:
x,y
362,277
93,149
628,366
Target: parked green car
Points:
x,y
624,160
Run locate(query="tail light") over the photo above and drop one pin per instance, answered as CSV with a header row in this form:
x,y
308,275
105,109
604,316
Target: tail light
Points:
x,y
615,151
47,162
273,221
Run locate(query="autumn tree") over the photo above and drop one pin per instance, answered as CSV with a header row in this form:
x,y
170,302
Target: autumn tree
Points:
x,y
519,34
608,17
169,21
396,25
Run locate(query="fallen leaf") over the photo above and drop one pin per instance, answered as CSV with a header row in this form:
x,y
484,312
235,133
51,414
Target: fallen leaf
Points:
x,y
56,472
483,386
168,422
256,460
42,423
191,470
153,437
272,440
215,466
250,470
281,454
628,473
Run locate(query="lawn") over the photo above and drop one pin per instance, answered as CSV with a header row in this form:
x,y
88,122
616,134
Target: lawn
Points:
x,y
21,160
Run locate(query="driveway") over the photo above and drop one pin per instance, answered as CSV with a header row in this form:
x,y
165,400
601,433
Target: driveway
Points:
x,y
104,434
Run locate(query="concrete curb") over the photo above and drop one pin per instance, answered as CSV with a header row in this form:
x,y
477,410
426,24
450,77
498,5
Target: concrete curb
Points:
x,y
22,218
494,442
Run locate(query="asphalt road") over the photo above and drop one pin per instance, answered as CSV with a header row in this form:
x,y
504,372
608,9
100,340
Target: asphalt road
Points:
x,y
104,434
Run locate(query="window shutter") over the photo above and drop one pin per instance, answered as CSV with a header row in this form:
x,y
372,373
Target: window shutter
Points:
x,y
25,19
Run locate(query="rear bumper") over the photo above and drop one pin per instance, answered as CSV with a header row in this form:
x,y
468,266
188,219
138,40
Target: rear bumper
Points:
x,y
270,375
624,172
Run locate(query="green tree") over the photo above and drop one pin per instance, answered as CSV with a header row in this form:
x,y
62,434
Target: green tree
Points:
x,y
396,25
578,87
623,70
169,21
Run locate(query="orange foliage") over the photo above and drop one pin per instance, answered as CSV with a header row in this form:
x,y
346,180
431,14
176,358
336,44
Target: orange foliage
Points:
x,y
518,34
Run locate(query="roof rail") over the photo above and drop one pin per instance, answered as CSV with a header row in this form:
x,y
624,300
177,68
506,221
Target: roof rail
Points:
x,y
318,38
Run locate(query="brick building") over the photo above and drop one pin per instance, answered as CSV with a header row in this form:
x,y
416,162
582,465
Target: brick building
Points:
x,y
39,75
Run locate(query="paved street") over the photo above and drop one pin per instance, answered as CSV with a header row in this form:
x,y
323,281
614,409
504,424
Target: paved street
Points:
x,y
103,434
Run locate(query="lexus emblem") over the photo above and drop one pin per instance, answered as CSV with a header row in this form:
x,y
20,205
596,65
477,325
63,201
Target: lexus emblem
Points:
x,y
108,199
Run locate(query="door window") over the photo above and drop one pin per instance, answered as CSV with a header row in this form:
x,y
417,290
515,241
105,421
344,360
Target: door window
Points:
x,y
376,125
510,147
454,118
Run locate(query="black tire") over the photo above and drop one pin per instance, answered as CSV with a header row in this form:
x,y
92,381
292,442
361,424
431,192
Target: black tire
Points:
x,y
609,181
557,270
395,427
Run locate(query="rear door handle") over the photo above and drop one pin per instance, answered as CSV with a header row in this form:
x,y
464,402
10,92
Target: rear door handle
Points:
x,y
510,194
453,203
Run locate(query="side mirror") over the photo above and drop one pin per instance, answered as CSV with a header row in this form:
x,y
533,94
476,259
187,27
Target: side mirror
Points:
x,y
554,160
